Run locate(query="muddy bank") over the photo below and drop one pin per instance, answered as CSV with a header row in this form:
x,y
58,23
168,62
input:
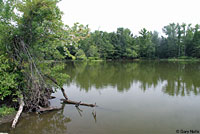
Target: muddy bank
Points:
x,y
9,118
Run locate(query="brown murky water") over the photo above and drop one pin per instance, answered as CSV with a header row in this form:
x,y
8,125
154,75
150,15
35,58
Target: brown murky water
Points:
x,y
133,98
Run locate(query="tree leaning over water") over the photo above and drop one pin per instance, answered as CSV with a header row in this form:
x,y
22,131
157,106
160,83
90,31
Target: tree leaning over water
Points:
x,y
35,35
32,32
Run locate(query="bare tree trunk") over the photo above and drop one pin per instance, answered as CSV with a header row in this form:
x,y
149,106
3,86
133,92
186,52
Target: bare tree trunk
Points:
x,y
64,94
21,102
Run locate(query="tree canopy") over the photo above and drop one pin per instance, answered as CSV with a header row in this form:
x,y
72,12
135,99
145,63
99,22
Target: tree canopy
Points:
x,y
179,41
32,32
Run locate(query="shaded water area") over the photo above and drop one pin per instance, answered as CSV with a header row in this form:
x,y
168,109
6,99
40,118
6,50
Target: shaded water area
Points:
x,y
148,97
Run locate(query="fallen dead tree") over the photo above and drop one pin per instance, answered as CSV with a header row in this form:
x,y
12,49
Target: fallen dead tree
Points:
x,y
21,106
77,103
66,100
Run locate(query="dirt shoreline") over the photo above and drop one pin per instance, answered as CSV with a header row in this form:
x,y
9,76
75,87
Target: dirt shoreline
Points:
x,y
9,118
6,119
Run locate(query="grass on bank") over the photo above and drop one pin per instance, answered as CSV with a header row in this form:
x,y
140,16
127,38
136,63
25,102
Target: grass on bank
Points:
x,y
183,58
4,110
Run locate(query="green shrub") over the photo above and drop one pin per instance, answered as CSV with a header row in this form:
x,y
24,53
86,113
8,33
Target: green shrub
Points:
x,y
184,57
93,58
9,78
80,55
6,111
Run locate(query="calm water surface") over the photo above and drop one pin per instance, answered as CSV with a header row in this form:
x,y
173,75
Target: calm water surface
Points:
x,y
133,98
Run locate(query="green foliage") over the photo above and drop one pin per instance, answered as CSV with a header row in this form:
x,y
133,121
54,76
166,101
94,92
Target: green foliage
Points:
x,y
41,27
80,55
184,57
9,78
93,51
55,71
147,48
93,58
34,32
196,44
73,36
6,111
180,40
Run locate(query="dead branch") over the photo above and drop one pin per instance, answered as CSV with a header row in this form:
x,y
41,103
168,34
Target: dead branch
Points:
x,y
66,100
21,102
55,82
77,103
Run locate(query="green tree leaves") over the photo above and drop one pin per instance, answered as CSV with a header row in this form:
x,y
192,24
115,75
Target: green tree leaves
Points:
x,y
181,41
9,78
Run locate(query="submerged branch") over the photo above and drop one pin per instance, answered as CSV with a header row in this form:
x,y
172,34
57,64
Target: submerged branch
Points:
x,y
42,109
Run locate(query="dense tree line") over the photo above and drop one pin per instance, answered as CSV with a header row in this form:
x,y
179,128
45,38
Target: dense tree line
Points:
x,y
179,41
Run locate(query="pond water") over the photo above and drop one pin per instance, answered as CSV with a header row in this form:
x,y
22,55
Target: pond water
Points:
x,y
133,98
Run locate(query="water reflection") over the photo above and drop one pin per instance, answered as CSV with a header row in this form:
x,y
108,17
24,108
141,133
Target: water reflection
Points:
x,y
51,123
127,113
179,78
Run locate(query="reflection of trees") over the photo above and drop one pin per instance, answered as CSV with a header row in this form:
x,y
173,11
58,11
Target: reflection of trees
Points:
x,y
181,79
100,74
55,71
50,123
